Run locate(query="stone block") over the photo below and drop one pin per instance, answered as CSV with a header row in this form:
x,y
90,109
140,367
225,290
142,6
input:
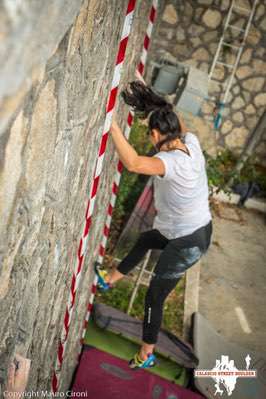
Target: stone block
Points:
x,y
261,150
225,5
201,54
195,30
196,41
237,137
260,52
236,90
254,84
213,48
167,55
246,56
254,37
212,18
188,10
170,15
259,12
260,100
180,34
181,51
192,62
238,103
246,95
226,127
250,109
244,71
259,66
263,24
251,122
170,34
210,37
238,117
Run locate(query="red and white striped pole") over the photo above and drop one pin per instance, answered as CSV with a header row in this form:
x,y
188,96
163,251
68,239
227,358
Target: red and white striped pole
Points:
x,y
119,168
94,189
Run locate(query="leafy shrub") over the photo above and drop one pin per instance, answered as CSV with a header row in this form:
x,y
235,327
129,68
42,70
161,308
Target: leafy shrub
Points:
x,y
221,169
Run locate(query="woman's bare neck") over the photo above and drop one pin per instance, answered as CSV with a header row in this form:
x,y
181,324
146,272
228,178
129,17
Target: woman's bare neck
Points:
x,y
174,145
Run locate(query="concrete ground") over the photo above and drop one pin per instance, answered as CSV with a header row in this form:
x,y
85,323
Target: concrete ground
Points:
x,y
232,277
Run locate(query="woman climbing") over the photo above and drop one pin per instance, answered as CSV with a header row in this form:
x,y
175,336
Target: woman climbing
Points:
x,y
182,227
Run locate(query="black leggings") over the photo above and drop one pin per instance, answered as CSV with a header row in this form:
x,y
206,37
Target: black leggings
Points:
x,y
177,256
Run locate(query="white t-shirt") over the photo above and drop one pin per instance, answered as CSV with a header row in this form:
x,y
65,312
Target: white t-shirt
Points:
x,y
181,195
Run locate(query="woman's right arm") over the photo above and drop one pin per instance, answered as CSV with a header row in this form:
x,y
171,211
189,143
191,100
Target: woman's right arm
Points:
x,y
129,157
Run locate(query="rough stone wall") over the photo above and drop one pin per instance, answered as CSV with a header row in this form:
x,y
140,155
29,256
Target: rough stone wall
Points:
x,y
59,61
189,32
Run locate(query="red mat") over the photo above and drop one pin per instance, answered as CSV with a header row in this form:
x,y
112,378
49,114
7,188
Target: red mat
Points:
x,y
103,376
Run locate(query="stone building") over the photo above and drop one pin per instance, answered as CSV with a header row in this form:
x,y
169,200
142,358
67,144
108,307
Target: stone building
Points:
x,y
189,32
57,62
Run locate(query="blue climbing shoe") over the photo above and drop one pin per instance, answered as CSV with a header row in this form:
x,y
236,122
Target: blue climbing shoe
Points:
x,y
138,363
101,273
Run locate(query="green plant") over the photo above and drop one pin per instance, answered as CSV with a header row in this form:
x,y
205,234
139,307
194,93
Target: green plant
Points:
x,y
118,297
221,170
173,309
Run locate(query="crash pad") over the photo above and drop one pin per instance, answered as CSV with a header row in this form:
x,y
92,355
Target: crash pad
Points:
x,y
104,376
167,345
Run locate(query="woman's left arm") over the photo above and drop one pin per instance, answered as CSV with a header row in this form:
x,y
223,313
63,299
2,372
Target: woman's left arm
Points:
x,y
129,157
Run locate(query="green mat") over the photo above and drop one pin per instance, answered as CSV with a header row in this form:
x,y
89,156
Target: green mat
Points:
x,y
124,349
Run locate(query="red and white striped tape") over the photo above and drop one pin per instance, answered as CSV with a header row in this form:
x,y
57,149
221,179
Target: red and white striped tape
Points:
x,y
91,201
147,37
119,169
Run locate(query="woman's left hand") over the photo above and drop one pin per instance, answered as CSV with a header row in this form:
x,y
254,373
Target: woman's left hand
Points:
x,y
114,125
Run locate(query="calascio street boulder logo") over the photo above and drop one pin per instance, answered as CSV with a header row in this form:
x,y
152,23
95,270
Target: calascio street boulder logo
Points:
x,y
225,374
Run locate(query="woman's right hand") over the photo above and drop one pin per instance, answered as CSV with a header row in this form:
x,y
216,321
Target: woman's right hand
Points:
x,y
114,125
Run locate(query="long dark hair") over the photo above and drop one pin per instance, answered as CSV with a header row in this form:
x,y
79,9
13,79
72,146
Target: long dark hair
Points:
x,y
146,103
